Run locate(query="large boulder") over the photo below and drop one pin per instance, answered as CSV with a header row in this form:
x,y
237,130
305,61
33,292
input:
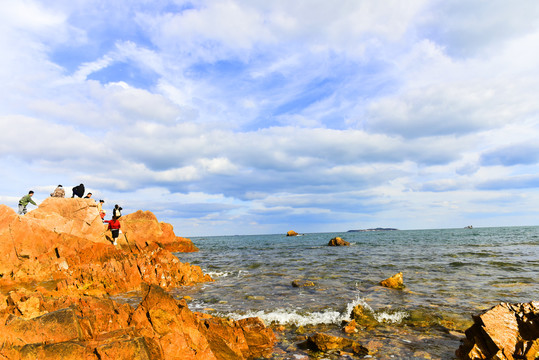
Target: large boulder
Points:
x,y
292,233
58,227
504,332
142,228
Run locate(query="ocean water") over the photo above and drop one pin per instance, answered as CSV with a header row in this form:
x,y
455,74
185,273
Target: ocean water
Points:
x,y
449,274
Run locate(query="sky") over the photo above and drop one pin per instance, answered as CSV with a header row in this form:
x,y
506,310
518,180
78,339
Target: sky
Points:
x,y
227,117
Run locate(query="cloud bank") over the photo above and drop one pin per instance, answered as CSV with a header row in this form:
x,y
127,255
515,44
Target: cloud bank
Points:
x,y
245,117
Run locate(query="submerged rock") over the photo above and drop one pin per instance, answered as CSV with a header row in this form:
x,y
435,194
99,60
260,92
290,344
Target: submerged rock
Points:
x,y
337,241
302,283
325,342
504,332
394,282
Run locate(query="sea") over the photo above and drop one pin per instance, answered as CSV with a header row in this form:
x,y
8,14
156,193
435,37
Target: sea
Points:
x,y
449,275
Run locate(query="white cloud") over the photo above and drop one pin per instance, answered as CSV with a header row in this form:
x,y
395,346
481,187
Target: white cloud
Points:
x,y
239,114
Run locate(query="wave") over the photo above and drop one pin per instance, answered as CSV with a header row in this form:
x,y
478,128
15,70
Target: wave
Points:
x,y
222,274
298,318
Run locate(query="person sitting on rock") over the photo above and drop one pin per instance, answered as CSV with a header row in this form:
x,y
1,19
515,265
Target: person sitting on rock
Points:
x,y
114,227
59,192
78,191
23,202
88,196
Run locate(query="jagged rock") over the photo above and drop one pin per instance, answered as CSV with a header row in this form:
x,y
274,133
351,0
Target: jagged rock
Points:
x,y
394,282
160,327
504,332
57,326
58,351
65,240
337,241
292,233
363,317
142,228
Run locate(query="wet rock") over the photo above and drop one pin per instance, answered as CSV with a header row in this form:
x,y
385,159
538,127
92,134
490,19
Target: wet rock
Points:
x,y
350,327
337,241
325,342
302,283
504,332
292,233
394,282
363,317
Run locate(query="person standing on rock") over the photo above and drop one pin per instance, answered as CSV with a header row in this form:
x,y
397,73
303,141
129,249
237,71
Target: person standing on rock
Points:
x,y
59,192
23,202
100,209
78,191
117,212
114,227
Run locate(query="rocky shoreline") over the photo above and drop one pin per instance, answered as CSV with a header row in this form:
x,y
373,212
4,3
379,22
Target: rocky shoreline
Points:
x,y
60,276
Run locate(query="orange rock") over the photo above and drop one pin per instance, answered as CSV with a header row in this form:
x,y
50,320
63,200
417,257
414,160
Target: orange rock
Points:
x,y
350,327
57,326
325,342
505,331
60,249
394,282
292,233
79,327
141,228
65,240
337,241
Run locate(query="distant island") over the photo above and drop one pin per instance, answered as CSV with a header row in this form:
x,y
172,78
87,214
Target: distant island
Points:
x,y
376,229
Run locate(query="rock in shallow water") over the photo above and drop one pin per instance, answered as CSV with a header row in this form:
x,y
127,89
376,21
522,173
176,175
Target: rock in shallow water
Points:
x,y
337,241
325,342
394,282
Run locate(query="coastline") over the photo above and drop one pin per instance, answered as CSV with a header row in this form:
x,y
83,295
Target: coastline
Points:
x,y
155,296
62,273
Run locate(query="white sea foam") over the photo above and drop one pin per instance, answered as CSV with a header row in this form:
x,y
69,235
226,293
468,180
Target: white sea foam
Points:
x,y
217,274
223,274
393,317
294,317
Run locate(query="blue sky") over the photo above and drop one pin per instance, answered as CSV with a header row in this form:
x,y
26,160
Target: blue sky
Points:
x,y
250,117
